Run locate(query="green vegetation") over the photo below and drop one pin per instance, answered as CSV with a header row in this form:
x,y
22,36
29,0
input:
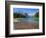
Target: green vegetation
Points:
x,y
37,14
19,15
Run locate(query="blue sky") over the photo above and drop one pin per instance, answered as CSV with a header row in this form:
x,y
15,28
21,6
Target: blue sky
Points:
x,y
29,11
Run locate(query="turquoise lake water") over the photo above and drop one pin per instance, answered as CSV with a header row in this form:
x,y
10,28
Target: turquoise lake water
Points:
x,y
35,20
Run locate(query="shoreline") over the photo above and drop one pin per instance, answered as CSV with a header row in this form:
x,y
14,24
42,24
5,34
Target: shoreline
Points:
x,y
26,25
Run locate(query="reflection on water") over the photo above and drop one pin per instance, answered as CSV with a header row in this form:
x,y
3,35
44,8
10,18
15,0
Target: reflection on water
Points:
x,y
26,23
35,20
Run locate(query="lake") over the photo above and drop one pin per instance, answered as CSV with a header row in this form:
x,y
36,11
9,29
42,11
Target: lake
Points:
x,y
35,20
26,23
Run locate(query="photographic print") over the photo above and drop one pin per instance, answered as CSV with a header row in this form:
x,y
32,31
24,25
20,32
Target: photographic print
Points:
x,y
24,18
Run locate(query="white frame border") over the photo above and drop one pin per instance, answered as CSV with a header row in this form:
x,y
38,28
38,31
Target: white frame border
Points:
x,y
29,30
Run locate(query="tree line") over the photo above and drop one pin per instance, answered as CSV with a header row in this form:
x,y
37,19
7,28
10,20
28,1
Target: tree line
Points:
x,y
20,15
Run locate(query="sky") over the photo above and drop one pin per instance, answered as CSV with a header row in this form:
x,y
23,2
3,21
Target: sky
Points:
x,y
29,11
